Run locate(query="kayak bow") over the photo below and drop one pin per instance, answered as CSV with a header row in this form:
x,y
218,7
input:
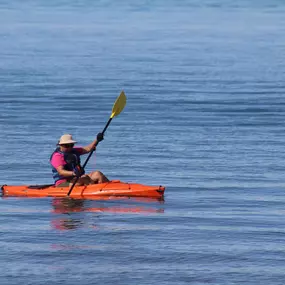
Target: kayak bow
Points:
x,y
113,188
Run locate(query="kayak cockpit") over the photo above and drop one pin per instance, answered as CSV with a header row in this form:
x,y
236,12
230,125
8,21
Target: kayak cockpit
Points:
x,y
40,187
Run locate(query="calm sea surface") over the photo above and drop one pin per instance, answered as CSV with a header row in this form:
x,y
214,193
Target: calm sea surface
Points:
x,y
205,82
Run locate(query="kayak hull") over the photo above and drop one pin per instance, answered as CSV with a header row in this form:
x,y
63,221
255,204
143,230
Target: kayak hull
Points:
x,y
113,188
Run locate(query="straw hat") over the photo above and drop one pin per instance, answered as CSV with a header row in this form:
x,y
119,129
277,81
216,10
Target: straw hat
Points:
x,y
66,139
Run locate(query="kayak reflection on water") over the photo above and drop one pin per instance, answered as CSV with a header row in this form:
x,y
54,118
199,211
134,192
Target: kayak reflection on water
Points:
x,y
68,207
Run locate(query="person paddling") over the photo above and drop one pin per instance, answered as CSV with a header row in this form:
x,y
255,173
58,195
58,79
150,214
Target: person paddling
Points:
x,y
65,163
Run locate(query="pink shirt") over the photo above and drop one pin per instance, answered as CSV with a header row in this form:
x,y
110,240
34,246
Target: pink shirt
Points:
x,y
58,160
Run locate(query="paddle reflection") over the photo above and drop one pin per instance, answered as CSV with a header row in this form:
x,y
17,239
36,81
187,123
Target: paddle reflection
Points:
x,y
68,207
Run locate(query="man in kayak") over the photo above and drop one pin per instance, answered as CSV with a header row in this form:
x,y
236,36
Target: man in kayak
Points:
x,y
65,163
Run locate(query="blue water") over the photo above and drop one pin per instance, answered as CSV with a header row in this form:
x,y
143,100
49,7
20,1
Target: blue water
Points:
x,y
205,117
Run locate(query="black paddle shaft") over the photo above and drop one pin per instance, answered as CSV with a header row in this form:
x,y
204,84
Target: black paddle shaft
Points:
x,y
87,159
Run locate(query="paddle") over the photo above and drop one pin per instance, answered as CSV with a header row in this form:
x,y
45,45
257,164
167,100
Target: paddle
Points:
x,y
118,107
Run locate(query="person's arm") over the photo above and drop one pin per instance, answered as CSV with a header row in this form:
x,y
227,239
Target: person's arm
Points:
x,y
58,163
65,173
88,148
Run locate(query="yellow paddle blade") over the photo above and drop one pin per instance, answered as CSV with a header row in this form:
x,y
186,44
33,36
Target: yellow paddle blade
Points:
x,y
119,105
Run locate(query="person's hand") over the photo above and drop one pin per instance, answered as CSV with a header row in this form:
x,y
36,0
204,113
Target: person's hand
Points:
x,y
77,172
100,137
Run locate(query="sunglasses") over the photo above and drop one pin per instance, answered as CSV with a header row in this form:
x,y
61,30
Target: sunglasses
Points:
x,y
68,145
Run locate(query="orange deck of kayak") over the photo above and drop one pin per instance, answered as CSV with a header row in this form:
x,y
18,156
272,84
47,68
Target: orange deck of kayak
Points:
x,y
112,188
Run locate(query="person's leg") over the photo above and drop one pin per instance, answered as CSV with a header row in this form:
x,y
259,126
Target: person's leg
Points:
x,y
97,177
80,182
83,180
90,178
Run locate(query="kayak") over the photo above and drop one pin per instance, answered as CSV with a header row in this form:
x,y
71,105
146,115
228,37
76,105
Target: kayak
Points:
x,y
114,188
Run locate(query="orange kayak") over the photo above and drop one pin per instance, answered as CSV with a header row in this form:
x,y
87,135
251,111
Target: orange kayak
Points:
x,y
113,188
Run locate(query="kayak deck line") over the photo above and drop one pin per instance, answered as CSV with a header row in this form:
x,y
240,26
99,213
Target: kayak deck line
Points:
x,y
111,188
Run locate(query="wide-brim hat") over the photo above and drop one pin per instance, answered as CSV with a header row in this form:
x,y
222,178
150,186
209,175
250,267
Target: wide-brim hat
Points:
x,y
66,139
